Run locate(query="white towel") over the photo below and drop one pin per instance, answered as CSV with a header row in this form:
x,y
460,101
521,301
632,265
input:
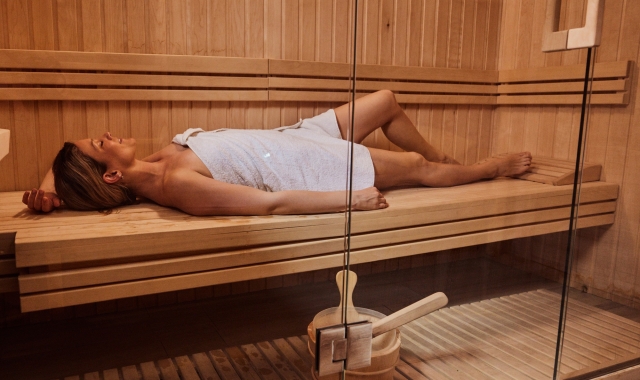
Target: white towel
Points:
x,y
305,156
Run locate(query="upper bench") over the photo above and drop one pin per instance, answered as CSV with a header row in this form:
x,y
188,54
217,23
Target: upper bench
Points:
x,y
64,75
69,258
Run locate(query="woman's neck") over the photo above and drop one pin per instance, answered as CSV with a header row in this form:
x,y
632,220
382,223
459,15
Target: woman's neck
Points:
x,y
145,178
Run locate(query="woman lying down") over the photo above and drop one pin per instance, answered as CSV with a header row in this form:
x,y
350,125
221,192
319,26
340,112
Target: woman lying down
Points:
x,y
291,170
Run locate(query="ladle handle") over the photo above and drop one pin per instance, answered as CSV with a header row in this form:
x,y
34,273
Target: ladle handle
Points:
x,y
409,313
353,278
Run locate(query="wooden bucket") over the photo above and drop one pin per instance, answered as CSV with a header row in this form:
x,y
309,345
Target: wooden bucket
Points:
x,y
385,349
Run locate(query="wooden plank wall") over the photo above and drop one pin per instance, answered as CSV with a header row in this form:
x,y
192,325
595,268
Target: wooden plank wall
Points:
x,y
607,263
430,33
460,33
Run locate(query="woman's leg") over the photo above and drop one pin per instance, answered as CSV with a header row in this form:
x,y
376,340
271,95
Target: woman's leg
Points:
x,y
411,169
381,110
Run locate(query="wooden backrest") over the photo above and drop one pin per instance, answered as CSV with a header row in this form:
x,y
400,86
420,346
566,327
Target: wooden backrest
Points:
x,y
564,84
59,75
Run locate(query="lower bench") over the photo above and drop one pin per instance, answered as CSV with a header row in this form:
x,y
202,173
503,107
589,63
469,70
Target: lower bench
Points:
x,y
68,258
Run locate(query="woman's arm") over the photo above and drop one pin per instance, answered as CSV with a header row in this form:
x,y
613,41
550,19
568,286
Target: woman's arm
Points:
x,y
45,198
199,195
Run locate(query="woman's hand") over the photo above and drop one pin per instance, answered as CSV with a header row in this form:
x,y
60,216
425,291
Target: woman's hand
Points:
x,y
39,200
368,199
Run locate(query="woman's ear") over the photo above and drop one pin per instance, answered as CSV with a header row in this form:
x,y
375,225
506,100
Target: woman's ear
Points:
x,y
112,176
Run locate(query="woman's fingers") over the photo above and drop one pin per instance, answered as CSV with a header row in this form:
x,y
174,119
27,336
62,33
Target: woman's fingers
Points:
x,y
37,203
25,197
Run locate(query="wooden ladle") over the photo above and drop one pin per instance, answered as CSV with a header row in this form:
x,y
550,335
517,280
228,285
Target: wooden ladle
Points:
x,y
352,313
415,310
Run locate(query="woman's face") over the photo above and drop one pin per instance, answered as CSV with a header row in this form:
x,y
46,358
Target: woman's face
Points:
x,y
116,153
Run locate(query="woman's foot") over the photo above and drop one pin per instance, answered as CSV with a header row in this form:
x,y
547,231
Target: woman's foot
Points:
x,y
507,165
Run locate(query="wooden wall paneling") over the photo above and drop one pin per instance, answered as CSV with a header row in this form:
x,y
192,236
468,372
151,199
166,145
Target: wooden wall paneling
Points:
x,y
157,26
49,129
179,118
415,34
486,131
342,33
613,165
516,126
290,50
7,171
17,21
480,35
509,41
96,118
628,215
461,131
254,48
324,36
501,128
141,129
217,46
114,33
118,120
67,24
454,44
136,27
473,135
563,132
198,115
436,126
217,28
429,27
387,23
307,32
197,27
468,34
536,55
524,39
371,33
43,33
74,121
546,130
177,20
24,144
495,17
160,134
273,46
442,33
235,29
4,26
531,128
91,25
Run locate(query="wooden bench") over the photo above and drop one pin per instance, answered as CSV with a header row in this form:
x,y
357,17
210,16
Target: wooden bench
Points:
x,y
70,258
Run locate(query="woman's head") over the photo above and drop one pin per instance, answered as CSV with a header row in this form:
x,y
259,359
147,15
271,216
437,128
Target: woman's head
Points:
x,y
81,181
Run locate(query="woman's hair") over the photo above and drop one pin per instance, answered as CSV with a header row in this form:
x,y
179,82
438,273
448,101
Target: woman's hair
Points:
x,y
79,183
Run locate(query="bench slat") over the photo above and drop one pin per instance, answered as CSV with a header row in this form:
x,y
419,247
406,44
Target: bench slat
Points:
x,y
146,80
598,86
619,69
159,268
368,85
82,94
68,60
151,286
618,98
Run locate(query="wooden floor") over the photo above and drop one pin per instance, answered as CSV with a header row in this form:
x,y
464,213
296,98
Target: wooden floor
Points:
x,y
192,335
511,337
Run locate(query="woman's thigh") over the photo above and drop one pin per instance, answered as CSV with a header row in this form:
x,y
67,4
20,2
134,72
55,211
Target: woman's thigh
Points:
x,y
371,112
397,168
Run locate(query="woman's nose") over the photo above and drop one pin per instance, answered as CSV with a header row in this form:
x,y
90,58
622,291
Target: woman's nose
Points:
x,y
107,135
